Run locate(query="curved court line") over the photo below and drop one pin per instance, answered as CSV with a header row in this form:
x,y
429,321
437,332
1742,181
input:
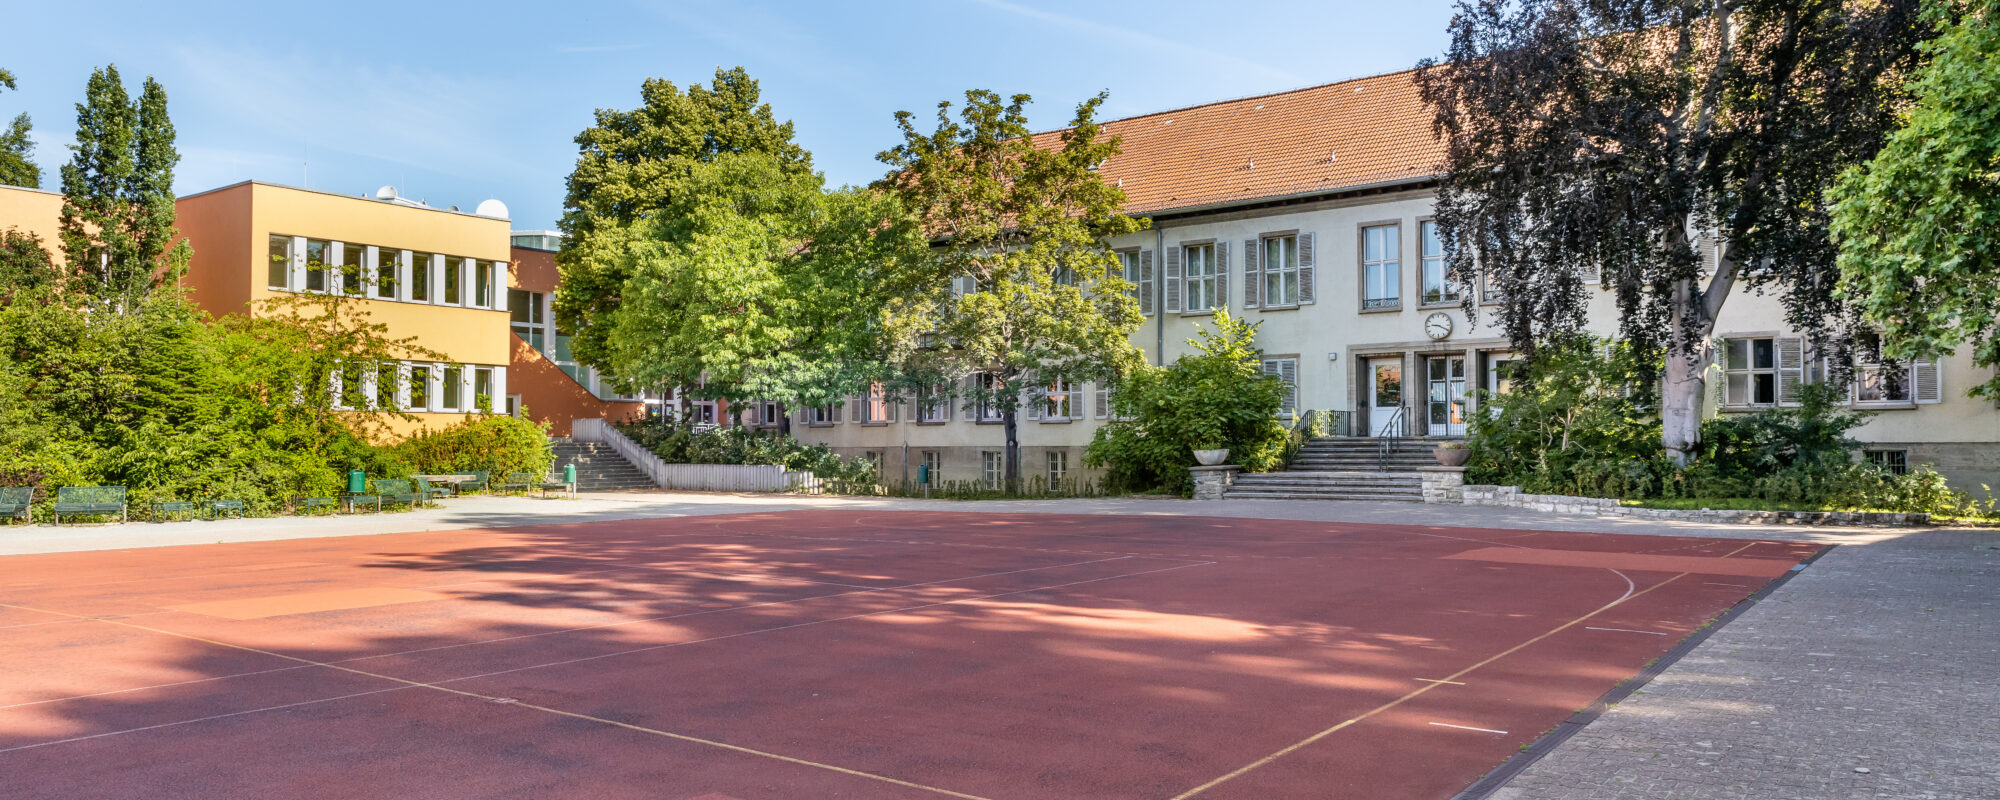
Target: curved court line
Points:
x,y
405,683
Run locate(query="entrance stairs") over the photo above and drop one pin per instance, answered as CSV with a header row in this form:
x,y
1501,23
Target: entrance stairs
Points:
x,y
1344,468
598,467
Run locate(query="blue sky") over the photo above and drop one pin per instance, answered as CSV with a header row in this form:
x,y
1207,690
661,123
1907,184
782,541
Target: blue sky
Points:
x,y
459,102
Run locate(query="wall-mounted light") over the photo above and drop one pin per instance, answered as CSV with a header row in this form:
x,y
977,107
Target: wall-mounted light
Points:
x,y
1333,356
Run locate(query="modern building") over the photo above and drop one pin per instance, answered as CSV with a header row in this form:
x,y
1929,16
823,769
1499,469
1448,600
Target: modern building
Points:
x,y
548,382
1308,211
34,211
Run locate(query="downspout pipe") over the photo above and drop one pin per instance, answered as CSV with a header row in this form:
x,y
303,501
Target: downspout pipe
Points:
x,y
1160,296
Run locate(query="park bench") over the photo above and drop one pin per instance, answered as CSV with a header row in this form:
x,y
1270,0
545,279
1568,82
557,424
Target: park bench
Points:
x,y
397,490
356,501
90,501
477,484
430,492
15,502
164,509
518,481
305,505
560,486
218,509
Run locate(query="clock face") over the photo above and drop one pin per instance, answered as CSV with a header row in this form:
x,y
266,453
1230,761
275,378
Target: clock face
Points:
x,y
1438,325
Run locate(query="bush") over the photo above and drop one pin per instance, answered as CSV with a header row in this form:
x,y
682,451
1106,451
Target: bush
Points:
x,y
498,445
1571,425
686,444
1218,397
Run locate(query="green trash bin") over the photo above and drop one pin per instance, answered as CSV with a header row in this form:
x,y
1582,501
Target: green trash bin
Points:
x,y
569,474
924,473
357,482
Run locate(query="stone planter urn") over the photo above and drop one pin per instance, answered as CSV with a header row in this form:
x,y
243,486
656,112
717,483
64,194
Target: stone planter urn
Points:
x,y
1210,458
1450,456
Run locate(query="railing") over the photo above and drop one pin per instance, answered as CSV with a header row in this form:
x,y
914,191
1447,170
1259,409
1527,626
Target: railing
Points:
x,y
694,477
1388,436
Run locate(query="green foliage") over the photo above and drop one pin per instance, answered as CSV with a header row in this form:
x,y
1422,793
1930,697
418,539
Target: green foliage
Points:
x,y
1023,223
686,444
1919,226
17,148
1216,397
118,203
24,263
1812,434
498,445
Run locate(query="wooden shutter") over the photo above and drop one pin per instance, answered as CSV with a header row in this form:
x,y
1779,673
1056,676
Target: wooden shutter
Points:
x,y
1221,299
1076,408
1033,403
1927,381
1146,282
1253,277
889,406
1306,269
1288,371
1103,408
1173,280
1791,369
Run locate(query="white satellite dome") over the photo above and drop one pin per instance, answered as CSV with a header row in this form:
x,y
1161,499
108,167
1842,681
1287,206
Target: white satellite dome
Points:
x,y
491,208
386,193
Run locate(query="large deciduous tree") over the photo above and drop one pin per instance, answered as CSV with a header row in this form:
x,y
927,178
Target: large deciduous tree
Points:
x,y
17,148
1023,231
1677,148
1919,226
631,165
118,202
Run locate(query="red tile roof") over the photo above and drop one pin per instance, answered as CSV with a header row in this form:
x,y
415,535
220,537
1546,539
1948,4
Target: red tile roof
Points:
x,y
1339,136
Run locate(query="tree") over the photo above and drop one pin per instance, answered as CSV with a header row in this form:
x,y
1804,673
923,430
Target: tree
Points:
x,y
1919,226
1022,227
24,263
1676,148
754,282
633,163
118,205
17,166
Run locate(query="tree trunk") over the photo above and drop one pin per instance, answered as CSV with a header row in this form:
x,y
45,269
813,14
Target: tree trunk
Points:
x,y
784,420
1008,422
1681,393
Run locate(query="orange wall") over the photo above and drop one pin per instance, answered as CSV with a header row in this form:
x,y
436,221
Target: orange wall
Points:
x,y
34,211
217,226
534,270
552,396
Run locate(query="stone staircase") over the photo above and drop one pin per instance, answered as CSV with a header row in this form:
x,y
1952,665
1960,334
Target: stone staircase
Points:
x,y
1344,468
598,467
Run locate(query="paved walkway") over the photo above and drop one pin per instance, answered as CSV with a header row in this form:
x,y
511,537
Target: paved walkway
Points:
x,y
1878,657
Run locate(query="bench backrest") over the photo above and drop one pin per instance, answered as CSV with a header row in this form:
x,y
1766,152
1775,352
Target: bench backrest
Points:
x,y
478,477
392,486
520,477
16,495
96,495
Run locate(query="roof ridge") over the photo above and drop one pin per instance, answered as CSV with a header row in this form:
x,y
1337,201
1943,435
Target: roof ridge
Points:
x,y
1228,100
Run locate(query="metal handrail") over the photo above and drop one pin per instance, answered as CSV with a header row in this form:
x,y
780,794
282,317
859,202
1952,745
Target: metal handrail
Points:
x,y
1388,436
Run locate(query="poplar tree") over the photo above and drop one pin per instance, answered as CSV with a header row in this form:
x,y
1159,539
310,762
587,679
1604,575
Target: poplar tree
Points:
x,y
118,205
17,168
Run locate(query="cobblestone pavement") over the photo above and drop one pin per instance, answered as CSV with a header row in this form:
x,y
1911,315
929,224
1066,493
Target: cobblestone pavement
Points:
x,y
1874,673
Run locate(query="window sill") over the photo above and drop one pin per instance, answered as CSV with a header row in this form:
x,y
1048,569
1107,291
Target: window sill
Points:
x,y
1454,303
933,422
1382,309
989,422
876,424
1206,312
1886,405
1286,307
1056,421
821,424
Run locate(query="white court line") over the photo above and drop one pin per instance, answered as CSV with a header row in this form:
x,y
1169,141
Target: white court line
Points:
x,y
1436,680
1465,727
1731,585
1623,630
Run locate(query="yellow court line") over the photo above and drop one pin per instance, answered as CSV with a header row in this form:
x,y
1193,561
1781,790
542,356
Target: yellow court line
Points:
x,y
1247,768
492,699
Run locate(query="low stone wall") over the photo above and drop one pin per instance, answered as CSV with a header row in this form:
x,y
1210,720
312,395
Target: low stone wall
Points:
x,y
1513,497
1210,483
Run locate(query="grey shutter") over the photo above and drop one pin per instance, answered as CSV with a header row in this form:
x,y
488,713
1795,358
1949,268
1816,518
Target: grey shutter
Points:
x,y
890,404
1221,299
1288,371
1033,403
1146,282
1306,269
1173,280
1791,369
1253,277
1076,408
1103,408
1927,381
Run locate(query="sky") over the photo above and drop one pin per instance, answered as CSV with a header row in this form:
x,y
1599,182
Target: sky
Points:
x,y
455,103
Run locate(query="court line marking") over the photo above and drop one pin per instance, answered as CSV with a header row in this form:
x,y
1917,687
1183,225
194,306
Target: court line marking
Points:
x,y
1624,630
1466,727
1302,743
405,683
702,612
1437,680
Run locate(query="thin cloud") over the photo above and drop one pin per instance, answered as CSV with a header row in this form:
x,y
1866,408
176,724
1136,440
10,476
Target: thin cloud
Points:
x,y
1145,40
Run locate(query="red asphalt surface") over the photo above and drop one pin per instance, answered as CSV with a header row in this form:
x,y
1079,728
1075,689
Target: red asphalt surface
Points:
x,y
848,654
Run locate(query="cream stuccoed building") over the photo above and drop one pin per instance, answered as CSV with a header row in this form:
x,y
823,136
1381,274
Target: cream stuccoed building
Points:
x,y
1308,211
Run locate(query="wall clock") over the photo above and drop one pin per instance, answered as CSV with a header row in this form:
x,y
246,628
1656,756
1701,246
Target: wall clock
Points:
x,y
1438,325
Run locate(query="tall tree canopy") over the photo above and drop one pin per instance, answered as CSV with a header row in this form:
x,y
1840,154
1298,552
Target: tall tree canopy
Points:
x,y
1919,226
632,164
17,148
1023,233
118,199
1674,147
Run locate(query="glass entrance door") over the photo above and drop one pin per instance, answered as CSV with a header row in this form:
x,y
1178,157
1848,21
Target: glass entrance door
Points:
x,y
1445,398
1385,398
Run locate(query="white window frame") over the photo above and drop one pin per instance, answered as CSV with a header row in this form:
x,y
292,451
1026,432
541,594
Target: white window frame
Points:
x,y
993,468
1430,251
986,409
828,414
1280,275
1205,281
1382,275
934,403
1286,369
873,407
1749,371
1058,467
291,248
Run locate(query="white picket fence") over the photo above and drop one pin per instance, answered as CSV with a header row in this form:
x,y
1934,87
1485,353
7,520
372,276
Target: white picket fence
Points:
x,y
695,477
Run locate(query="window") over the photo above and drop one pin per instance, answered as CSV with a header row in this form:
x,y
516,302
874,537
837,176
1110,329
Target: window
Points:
x,y
875,405
319,257
280,270
1381,272
1058,467
767,414
992,468
451,393
388,384
1286,370
873,457
935,461
353,262
1895,461
454,277
987,384
1750,372
1438,288
482,390
1101,404
1920,382
388,265
482,283
823,415
1063,400
1138,268
1200,265
1281,271
934,403
420,387
420,277
1128,268
349,391
524,315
